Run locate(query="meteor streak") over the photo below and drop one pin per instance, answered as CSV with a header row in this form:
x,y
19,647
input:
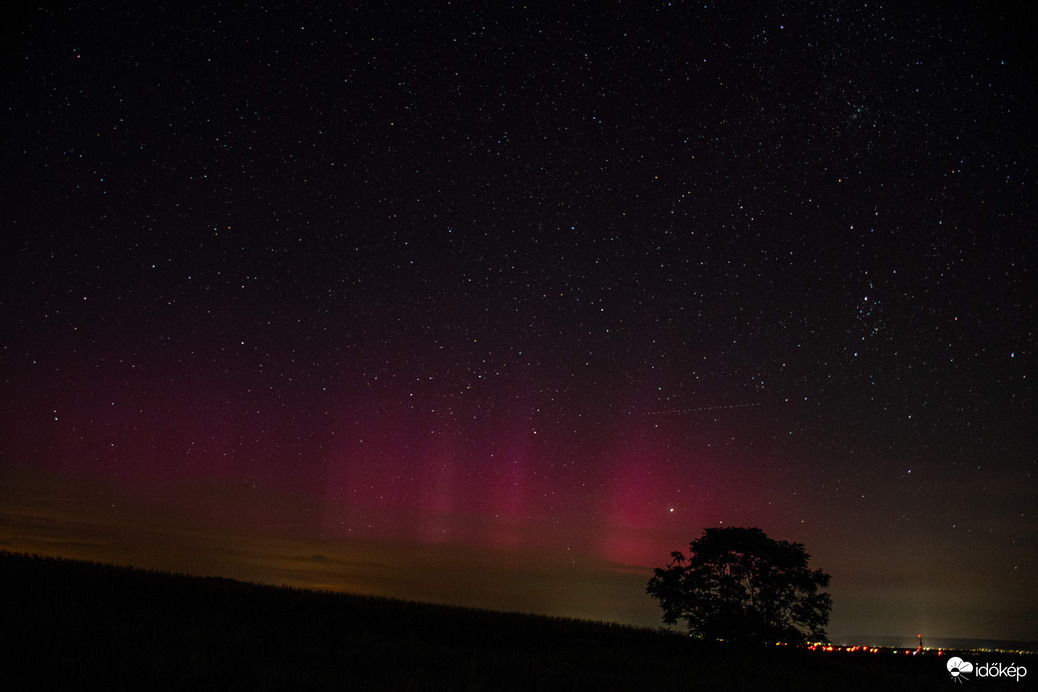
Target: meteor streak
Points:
x,y
701,408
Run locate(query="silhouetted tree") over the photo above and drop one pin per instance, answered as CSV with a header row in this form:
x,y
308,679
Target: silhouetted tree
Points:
x,y
739,585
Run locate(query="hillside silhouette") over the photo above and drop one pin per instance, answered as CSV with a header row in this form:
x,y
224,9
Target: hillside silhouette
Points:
x,y
65,623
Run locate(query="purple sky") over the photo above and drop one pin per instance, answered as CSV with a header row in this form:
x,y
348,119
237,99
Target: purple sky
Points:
x,y
499,306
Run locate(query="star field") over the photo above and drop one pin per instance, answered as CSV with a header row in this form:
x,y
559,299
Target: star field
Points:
x,y
535,293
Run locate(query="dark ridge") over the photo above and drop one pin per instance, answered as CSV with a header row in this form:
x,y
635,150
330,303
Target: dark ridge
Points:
x,y
67,623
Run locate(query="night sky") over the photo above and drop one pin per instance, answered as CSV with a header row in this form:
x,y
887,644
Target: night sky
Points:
x,y
498,306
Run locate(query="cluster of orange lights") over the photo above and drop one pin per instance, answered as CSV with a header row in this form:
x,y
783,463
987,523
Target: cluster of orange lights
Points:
x,y
873,649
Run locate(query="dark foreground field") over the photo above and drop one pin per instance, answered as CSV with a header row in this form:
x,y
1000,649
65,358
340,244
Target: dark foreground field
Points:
x,y
69,625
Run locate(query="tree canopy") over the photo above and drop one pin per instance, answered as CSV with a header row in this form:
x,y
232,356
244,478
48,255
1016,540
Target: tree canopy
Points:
x,y
737,584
